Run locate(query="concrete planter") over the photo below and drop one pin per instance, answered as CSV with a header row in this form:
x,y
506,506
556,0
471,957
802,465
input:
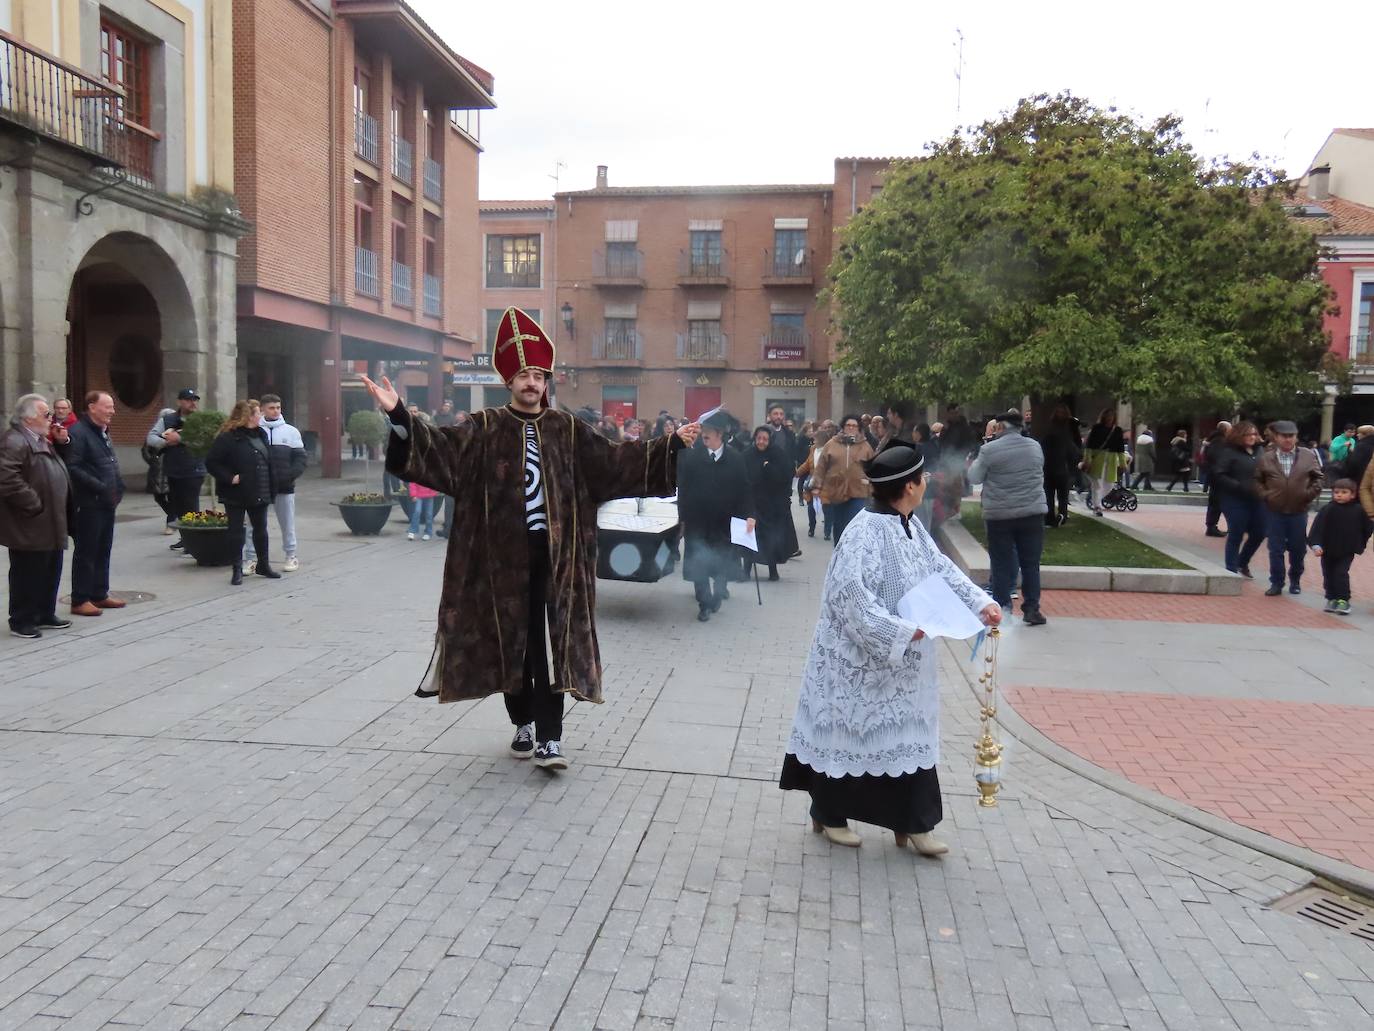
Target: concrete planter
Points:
x,y
364,520
208,545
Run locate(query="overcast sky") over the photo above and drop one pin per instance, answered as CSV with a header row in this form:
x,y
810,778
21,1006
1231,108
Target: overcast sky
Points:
x,y
737,91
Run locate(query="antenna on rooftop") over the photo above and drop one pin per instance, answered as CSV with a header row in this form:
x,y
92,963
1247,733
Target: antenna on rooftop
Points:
x,y
558,166
959,73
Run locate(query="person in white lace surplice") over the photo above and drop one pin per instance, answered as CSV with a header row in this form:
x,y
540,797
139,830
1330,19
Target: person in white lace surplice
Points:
x,y
866,736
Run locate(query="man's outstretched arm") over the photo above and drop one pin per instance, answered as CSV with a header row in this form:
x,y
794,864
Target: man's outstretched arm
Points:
x,y
416,451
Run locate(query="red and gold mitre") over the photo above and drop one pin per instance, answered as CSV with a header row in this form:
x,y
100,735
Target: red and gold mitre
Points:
x,y
521,344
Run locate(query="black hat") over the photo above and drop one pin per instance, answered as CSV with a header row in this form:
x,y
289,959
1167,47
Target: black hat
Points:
x,y
187,394
897,460
719,420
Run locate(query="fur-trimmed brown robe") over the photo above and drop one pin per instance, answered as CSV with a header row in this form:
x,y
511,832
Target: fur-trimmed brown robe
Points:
x,y
484,604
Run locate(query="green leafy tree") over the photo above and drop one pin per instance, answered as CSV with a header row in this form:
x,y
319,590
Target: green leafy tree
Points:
x,y
1067,249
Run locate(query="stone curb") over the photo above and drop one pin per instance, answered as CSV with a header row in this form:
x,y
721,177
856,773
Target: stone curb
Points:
x,y
1351,877
1202,576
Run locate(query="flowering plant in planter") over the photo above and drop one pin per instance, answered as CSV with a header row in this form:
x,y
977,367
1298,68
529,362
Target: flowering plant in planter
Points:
x,y
207,520
365,498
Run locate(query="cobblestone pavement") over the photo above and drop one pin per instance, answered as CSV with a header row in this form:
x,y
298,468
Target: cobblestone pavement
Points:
x,y
224,809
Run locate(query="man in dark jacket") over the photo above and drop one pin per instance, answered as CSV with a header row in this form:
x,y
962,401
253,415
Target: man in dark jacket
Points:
x,y
286,454
1215,442
1289,479
184,472
713,488
34,494
1357,458
98,489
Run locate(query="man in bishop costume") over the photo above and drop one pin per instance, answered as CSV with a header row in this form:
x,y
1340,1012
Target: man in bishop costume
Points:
x,y
517,606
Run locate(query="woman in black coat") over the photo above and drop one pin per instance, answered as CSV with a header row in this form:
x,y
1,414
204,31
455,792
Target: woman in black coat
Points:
x,y
770,471
1232,473
238,460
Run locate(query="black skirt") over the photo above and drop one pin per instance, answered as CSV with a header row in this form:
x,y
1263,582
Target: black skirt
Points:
x,y
908,803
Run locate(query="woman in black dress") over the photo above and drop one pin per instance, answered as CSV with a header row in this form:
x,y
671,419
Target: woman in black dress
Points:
x,y
770,479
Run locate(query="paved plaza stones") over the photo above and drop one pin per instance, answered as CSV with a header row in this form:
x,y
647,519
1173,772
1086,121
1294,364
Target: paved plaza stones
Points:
x,y
224,809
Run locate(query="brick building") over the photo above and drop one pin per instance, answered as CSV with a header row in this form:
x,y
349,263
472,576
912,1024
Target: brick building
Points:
x,y
1335,200
683,298
356,145
118,229
518,255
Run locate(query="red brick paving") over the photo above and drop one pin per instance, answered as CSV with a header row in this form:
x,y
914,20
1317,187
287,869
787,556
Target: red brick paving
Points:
x,y
1299,772
1250,609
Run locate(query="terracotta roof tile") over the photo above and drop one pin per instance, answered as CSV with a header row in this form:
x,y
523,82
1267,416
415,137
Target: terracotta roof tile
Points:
x,y
515,205
668,191
1343,217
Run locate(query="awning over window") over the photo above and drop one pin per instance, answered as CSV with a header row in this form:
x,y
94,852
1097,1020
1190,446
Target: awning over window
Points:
x,y
622,311
625,231
783,308
705,225
703,310
790,223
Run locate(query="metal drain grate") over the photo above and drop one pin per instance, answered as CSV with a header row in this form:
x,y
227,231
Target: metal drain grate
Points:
x,y
1343,913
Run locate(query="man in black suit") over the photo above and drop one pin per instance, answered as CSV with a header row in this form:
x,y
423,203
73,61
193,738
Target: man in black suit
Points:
x,y
98,489
713,487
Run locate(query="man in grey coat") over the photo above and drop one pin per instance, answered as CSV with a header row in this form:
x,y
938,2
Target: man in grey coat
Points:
x,y
1011,469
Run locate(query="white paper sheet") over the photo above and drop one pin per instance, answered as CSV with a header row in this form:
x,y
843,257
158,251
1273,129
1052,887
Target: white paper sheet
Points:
x,y
706,415
743,536
816,504
936,609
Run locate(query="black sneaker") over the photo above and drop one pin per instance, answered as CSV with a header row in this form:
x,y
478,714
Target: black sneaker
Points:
x,y
1295,588
1033,617
28,633
53,623
522,745
178,546
1273,591
549,756
1212,531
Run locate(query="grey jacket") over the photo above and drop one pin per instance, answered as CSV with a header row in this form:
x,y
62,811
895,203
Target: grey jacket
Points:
x,y
1012,472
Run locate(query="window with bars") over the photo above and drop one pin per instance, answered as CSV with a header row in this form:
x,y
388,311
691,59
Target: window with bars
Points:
x,y
512,261
706,252
789,251
704,334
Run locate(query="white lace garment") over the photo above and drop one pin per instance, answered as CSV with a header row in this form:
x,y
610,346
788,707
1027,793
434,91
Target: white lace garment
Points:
x,y
870,699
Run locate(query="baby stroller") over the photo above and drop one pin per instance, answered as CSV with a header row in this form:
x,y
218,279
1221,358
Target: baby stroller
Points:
x,y
1120,498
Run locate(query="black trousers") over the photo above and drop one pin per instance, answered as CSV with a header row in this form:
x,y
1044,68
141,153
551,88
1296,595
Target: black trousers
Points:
x,y
257,515
1335,576
183,495
710,590
91,557
1213,507
34,580
1056,489
537,702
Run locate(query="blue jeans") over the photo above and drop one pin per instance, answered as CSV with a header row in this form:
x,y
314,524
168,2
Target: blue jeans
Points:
x,y
1244,516
1014,543
828,515
843,512
423,511
1287,533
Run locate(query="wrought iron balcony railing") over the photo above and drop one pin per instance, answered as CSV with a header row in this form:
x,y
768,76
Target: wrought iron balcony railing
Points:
x,y
402,159
365,272
695,347
786,345
620,266
365,136
433,296
402,292
784,268
618,346
434,181
707,268
63,103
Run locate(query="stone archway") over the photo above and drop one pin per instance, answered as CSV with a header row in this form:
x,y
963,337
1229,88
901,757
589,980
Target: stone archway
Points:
x,y
131,331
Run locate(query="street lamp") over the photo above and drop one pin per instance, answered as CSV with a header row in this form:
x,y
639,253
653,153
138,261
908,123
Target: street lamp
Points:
x,y
567,312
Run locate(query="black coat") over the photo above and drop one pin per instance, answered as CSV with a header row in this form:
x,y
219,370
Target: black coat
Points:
x,y
1232,471
243,453
1340,530
93,467
1106,438
1062,449
1358,459
709,494
770,486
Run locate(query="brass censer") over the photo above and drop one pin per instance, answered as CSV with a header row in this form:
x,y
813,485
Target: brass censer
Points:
x,y
987,750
